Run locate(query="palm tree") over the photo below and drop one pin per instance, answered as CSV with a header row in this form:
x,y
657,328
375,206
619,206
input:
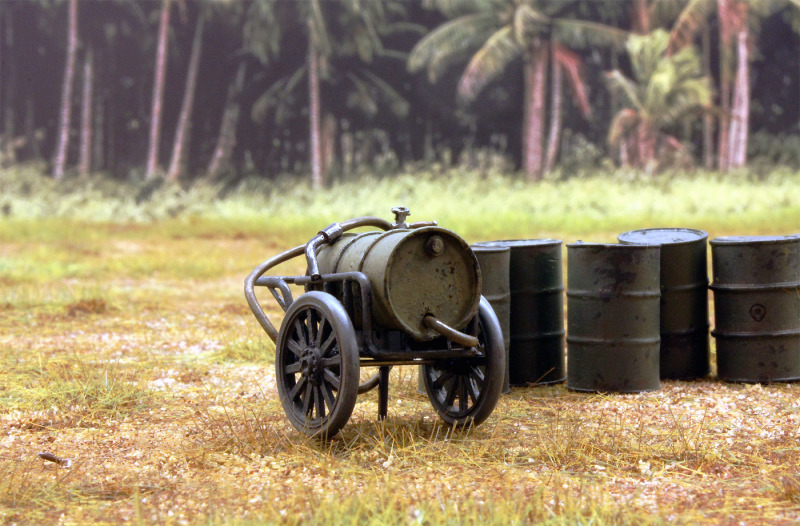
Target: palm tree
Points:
x,y
158,91
184,120
345,29
65,114
500,31
666,90
735,19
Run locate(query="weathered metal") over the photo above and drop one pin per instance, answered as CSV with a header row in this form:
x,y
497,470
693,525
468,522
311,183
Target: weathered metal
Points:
x,y
684,299
613,295
406,295
494,265
536,346
414,273
757,307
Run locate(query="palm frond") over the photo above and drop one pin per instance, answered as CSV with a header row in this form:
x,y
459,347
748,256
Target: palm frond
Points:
x,y
571,63
397,103
583,34
690,20
278,95
450,42
488,63
627,88
458,8
529,24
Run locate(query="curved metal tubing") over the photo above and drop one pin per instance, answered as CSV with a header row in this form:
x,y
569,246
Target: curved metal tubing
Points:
x,y
450,333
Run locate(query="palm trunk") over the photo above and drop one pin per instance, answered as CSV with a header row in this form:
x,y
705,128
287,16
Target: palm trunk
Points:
x,y
741,103
226,139
65,114
554,136
158,92
317,175
85,158
176,164
535,66
708,121
8,83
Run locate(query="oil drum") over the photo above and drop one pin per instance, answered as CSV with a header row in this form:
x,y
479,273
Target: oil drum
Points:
x,y
757,307
536,346
613,335
413,273
684,298
494,265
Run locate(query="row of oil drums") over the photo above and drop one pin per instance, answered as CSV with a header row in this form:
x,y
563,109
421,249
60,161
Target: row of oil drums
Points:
x,y
637,311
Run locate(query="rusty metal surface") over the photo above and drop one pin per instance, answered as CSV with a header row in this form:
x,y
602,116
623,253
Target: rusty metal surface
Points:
x,y
613,295
536,348
494,265
414,273
757,307
684,299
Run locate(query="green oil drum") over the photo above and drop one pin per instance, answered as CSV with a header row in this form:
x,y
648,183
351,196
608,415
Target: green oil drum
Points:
x,y
536,318
494,264
413,273
757,307
684,299
613,333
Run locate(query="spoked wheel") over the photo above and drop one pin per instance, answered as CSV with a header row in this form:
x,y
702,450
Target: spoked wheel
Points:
x,y
317,365
465,391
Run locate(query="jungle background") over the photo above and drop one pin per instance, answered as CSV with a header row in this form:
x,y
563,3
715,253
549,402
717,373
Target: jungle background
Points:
x,y
321,90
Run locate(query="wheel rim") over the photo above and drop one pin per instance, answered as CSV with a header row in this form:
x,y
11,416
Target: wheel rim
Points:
x,y
311,365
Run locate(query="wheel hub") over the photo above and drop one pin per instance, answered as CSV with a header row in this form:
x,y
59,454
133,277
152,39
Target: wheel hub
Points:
x,y
311,365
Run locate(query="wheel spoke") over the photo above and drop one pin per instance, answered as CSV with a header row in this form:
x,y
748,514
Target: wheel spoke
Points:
x,y
450,391
463,396
296,347
292,368
331,379
327,393
478,375
472,387
332,361
299,330
330,341
311,324
308,394
320,330
297,387
319,402
442,379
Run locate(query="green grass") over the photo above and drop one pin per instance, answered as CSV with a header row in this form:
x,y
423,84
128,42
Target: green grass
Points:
x,y
127,347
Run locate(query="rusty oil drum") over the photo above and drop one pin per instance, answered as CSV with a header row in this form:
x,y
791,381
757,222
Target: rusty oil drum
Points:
x,y
613,335
536,345
413,272
684,299
757,307
494,265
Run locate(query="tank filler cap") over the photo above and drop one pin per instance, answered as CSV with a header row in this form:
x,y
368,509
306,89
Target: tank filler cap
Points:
x,y
400,215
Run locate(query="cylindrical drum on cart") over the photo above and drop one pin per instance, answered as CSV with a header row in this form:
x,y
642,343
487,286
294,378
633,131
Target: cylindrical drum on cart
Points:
x,y
613,332
536,346
757,307
494,265
684,298
413,273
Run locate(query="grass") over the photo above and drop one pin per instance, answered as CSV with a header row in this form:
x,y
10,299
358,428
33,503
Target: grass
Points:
x,y
127,348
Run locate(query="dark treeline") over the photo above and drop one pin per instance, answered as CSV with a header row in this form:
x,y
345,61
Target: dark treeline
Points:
x,y
223,88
